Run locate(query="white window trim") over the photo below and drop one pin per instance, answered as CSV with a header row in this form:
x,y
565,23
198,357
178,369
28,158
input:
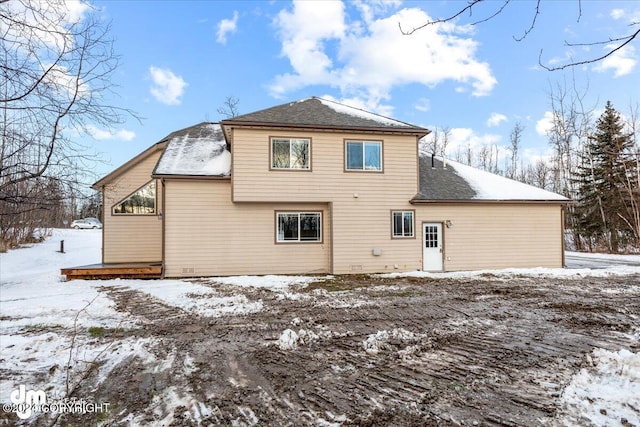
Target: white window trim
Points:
x,y
364,168
289,168
277,217
393,225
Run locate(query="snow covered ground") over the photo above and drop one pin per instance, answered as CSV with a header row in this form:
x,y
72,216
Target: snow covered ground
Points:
x,y
576,260
40,313
47,324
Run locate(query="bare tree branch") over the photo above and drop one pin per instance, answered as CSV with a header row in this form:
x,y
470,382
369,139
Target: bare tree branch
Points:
x,y
620,42
627,39
533,23
439,21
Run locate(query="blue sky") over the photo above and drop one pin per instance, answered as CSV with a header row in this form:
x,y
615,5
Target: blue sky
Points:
x,y
180,60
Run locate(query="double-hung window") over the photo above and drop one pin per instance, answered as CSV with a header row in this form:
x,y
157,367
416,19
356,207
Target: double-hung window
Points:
x,y
291,153
140,202
298,227
363,156
402,224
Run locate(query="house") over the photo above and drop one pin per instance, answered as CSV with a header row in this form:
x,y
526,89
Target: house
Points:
x,y
315,186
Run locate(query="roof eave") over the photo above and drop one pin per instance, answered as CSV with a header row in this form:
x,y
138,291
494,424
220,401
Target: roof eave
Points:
x,y
491,201
122,168
198,177
420,132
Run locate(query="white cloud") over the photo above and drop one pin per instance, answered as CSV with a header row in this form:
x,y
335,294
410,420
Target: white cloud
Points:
x,y
545,124
617,13
621,62
103,134
227,26
64,82
47,22
364,103
423,104
370,58
466,137
372,8
76,10
495,119
167,88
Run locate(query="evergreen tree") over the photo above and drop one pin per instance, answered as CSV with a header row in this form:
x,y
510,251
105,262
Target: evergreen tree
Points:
x,y
602,179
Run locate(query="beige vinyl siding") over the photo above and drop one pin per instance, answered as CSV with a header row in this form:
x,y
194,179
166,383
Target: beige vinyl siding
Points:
x,y
206,234
132,238
327,181
362,201
497,235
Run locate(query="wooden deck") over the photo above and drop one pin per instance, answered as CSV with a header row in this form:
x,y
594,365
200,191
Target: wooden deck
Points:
x,y
133,270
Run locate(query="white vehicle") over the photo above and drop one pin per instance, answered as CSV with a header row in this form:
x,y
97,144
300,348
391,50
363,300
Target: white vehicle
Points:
x,y
86,223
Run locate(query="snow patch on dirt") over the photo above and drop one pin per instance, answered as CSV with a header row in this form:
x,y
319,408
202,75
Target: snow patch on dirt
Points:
x,y
406,342
193,297
290,339
510,273
270,282
606,392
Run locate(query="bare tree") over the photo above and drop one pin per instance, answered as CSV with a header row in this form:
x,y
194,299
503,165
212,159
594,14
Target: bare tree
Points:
x,y
515,139
55,70
446,137
432,145
630,185
491,9
229,108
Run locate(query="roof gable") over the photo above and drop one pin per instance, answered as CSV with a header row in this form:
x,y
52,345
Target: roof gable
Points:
x,y
322,113
128,165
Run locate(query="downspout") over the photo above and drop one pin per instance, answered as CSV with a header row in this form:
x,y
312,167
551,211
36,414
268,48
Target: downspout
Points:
x,y
162,218
104,216
562,213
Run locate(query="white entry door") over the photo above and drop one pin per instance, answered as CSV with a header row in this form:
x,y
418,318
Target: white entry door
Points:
x,y
432,246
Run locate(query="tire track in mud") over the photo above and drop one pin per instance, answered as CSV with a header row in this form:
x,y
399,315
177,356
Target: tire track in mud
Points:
x,y
508,372
486,352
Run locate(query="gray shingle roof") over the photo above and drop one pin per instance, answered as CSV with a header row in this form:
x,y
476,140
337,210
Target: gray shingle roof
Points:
x,y
459,182
439,183
322,113
199,150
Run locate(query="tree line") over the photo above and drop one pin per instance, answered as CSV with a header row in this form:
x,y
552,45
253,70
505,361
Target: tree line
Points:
x,y
594,161
55,68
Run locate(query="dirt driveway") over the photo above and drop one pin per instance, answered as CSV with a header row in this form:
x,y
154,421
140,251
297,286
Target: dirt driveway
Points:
x,y
370,351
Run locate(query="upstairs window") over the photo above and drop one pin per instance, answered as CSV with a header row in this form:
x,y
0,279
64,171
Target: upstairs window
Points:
x,y
298,227
140,202
291,153
402,224
363,156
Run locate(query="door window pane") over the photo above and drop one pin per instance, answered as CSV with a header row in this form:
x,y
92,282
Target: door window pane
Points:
x,y
431,236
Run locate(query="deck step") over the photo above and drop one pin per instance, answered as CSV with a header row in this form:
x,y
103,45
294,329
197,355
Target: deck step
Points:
x,y
114,271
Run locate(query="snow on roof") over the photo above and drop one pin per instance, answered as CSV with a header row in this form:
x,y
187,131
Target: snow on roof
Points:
x,y
200,150
489,186
356,112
